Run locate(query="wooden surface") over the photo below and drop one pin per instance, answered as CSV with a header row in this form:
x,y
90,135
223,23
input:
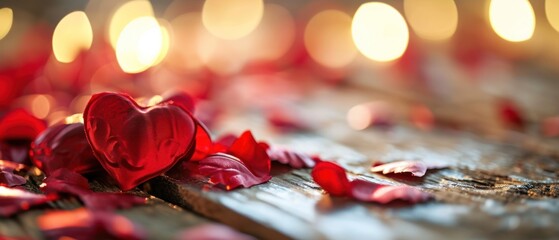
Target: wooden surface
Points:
x,y
500,185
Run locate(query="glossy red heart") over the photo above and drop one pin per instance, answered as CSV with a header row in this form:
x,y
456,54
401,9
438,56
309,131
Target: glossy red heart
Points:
x,y
134,143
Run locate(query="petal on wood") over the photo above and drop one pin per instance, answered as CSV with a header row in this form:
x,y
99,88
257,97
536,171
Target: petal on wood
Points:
x,y
332,178
13,200
373,192
416,168
292,158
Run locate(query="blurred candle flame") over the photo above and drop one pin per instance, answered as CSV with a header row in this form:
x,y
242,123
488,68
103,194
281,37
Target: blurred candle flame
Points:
x,y
552,12
379,31
142,43
125,14
232,19
512,20
6,20
328,38
72,35
432,19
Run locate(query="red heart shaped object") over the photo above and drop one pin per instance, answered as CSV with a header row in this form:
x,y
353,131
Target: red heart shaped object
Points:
x,y
134,143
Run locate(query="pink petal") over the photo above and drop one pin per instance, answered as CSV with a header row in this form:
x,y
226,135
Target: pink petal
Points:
x,y
294,159
416,168
373,192
227,170
212,231
13,200
7,178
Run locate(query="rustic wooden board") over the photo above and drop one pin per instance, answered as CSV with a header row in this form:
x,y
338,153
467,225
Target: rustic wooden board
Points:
x,y
490,191
159,219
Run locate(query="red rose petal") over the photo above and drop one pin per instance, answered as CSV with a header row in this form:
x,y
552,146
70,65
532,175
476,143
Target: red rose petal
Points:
x,y
203,142
127,138
13,200
64,146
332,178
373,192
229,171
84,224
66,181
252,154
20,125
212,231
8,178
510,114
293,159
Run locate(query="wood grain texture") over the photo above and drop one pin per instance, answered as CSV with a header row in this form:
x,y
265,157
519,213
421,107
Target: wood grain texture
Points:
x,y
482,195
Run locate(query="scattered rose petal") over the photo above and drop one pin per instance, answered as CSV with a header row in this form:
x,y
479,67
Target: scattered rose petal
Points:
x,y
293,159
13,200
372,192
333,179
212,231
228,170
68,182
84,224
20,125
416,168
63,146
510,114
8,178
252,154
16,151
422,117
203,142
550,127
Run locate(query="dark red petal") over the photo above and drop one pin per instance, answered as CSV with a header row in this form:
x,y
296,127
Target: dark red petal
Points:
x,y
105,201
203,142
7,178
251,154
228,171
13,200
212,231
84,224
510,114
180,99
332,178
373,192
293,159
16,151
65,181
64,146
19,124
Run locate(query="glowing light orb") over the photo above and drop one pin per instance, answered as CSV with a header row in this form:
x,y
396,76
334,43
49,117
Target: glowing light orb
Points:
x,y
379,31
125,14
72,35
432,19
6,21
232,19
512,20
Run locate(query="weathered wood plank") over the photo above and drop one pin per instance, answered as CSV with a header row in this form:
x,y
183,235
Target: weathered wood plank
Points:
x,y
480,196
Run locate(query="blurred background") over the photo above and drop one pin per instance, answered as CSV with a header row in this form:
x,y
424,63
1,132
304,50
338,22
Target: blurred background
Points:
x,y
480,65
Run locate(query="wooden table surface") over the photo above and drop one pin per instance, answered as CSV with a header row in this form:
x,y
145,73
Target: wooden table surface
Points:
x,y
503,187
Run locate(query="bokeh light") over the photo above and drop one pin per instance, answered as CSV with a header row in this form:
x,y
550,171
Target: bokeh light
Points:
x,y
72,35
512,20
6,20
432,19
328,38
186,28
379,31
40,105
141,44
232,19
275,34
125,14
552,12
